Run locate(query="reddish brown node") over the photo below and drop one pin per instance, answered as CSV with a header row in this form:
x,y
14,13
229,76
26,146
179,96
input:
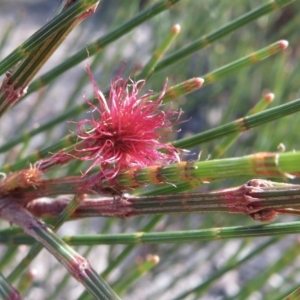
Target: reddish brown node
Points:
x,y
264,215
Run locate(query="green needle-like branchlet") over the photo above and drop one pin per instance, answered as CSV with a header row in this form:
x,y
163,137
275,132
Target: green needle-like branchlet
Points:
x,y
63,216
200,289
122,256
7,291
189,236
14,87
265,164
143,16
171,94
240,125
7,34
208,39
159,52
42,35
170,237
246,61
77,266
23,163
258,281
25,201
230,139
191,85
101,43
28,135
134,274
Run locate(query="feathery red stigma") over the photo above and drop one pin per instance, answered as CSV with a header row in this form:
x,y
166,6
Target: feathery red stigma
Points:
x,y
126,130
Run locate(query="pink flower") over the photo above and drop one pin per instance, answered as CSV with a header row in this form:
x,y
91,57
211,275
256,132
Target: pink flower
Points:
x,y
126,130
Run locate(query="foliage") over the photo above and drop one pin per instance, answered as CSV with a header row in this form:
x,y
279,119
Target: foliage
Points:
x,y
153,227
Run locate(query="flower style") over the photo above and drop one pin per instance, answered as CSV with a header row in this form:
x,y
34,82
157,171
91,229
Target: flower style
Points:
x,y
125,131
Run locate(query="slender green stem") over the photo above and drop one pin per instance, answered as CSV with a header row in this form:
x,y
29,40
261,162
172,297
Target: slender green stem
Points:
x,y
7,32
198,290
118,260
102,42
208,39
172,93
35,156
133,275
188,235
77,266
7,291
224,71
258,282
14,87
63,216
184,236
42,35
26,282
8,257
159,52
261,105
98,45
263,164
240,125
178,90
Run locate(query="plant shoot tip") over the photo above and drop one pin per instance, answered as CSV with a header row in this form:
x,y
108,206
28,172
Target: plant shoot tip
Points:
x,y
199,81
176,29
283,44
269,97
153,258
